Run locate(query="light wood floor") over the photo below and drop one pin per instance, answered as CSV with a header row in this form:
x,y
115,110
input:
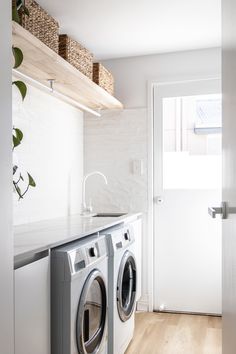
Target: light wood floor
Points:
x,y
159,333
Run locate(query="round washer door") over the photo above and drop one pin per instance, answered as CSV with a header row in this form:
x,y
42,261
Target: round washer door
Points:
x,y
126,286
92,313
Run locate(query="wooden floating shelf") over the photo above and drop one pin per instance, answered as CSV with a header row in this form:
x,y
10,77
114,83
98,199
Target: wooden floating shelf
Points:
x,y
41,64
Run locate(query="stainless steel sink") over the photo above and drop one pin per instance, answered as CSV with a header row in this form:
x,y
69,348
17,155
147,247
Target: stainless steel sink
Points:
x,y
109,215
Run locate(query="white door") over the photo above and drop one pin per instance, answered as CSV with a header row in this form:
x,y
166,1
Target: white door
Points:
x,y
229,175
187,180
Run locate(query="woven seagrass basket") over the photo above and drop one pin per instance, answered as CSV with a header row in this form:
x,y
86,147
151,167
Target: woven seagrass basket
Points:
x,y
41,24
76,55
103,78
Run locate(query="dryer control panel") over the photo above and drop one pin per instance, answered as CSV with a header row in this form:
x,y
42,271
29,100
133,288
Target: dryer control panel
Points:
x,y
76,256
119,239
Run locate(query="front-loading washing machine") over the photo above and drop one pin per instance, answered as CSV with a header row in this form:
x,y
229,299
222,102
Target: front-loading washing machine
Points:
x,y
122,279
79,276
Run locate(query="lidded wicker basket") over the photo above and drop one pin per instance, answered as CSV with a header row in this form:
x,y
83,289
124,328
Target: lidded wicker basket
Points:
x,y
76,55
103,78
41,24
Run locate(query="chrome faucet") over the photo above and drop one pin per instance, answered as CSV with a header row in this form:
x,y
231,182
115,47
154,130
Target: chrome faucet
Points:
x,y
87,210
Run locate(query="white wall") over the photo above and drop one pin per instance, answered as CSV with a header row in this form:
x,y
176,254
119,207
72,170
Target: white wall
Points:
x,y
131,74
112,142
52,151
6,238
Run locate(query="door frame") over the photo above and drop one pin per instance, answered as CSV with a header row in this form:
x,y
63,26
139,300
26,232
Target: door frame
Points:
x,y
151,84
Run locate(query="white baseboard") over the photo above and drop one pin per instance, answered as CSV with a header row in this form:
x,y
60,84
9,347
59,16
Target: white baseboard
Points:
x,y
142,304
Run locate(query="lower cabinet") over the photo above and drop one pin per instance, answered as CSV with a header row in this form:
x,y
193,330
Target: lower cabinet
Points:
x,y
32,307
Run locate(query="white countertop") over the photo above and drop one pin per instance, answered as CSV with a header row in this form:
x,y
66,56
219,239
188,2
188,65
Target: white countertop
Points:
x,y
32,238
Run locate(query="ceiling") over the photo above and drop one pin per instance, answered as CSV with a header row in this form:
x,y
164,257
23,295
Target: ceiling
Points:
x,y
122,28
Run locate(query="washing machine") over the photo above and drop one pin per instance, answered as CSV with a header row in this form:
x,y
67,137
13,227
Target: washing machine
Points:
x,y
123,284
79,275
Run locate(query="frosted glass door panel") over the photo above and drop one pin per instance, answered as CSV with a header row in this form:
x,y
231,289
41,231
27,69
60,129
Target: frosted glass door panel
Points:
x,y
192,142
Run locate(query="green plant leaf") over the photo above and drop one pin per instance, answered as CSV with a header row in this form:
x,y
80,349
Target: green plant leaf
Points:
x,y
15,140
18,56
15,14
22,88
19,3
25,10
31,181
17,137
19,133
21,9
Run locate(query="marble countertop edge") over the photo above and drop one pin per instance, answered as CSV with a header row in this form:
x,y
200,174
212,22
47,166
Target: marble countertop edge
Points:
x,y
36,237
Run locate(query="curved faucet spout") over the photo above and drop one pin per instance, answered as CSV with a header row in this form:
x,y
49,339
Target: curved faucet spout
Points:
x,y
86,210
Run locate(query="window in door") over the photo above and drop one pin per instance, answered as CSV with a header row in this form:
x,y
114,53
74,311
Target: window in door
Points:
x,y
192,142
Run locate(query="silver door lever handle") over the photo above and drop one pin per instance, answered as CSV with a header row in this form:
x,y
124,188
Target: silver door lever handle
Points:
x,y
224,210
214,211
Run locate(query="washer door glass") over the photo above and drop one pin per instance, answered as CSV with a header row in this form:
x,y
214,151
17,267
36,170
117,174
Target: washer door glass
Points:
x,y
126,287
92,311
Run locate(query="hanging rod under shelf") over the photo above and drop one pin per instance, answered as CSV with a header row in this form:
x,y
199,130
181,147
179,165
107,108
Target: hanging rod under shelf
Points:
x,y
51,90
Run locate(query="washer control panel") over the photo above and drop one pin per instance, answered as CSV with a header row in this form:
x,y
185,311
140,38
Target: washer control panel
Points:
x,y
77,255
123,238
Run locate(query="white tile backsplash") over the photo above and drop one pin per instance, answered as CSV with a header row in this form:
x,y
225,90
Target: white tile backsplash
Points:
x,y
112,143
52,151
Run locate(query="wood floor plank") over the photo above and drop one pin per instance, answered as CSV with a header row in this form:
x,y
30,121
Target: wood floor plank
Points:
x,y
164,333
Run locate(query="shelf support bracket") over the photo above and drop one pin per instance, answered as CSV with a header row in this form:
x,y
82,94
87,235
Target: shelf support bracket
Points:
x,y
51,84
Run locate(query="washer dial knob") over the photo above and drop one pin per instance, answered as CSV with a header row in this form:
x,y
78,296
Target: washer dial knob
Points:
x,y
126,235
93,252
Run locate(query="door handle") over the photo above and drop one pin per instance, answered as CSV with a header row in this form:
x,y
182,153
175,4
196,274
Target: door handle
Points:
x,y
224,210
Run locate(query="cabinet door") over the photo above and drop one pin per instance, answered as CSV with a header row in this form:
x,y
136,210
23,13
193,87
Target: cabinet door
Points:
x,y
32,308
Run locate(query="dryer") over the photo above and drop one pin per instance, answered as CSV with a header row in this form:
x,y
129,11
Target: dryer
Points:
x,y
122,292
79,297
